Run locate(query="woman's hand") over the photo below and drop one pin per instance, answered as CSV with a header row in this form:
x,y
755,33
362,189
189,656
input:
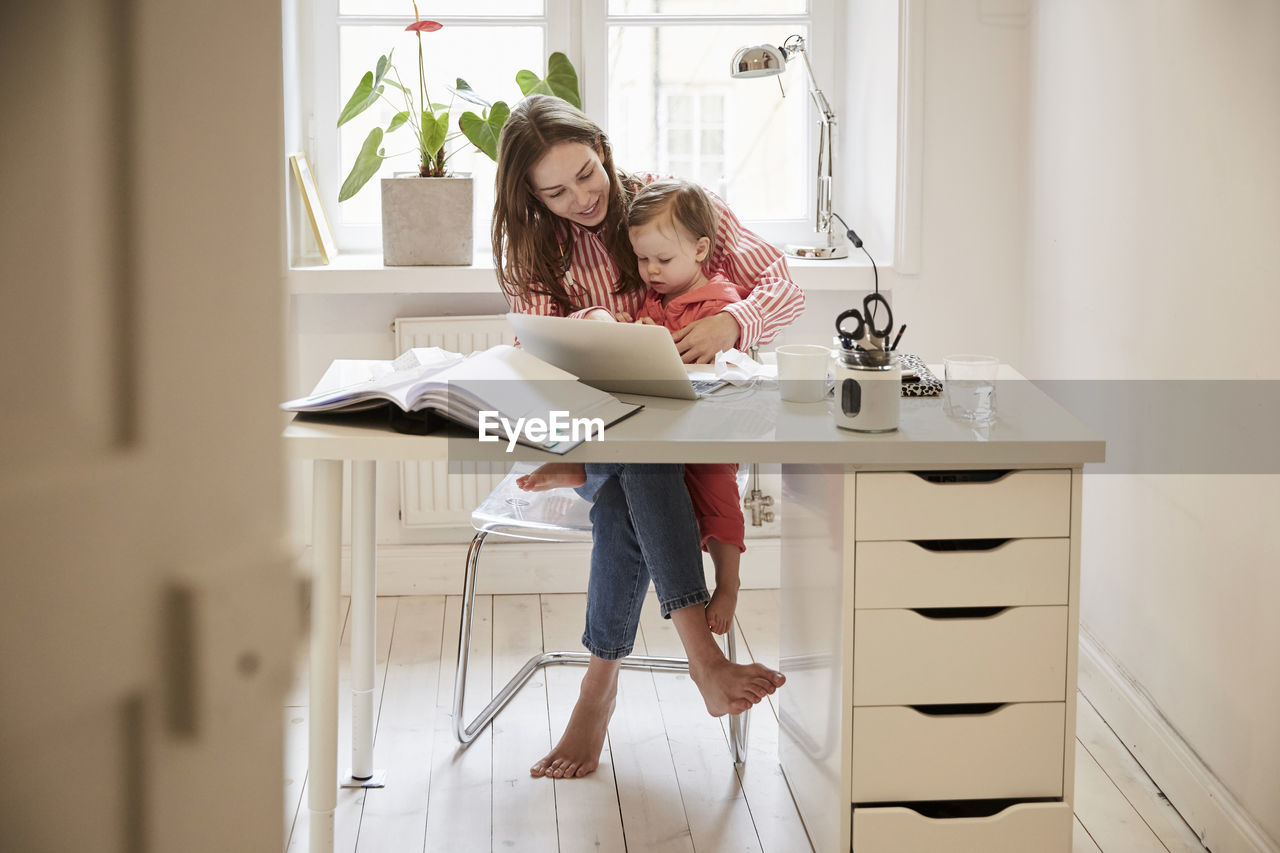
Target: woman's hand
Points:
x,y
699,341
622,317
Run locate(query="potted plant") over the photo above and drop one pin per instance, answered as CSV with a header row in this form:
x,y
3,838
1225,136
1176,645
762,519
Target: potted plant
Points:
x,y
427,222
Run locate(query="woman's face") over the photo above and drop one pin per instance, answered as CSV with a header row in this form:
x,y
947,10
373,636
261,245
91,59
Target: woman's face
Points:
x,y
571,181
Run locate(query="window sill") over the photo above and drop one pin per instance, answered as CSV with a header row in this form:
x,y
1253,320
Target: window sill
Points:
x,y
365,274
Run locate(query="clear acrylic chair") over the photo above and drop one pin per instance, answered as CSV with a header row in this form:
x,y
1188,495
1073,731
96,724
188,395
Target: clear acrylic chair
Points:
x,y
558,515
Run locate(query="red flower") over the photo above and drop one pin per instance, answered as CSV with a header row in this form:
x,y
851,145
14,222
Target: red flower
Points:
x,y
423,27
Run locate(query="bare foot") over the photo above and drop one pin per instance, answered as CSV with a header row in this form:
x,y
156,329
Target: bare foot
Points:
x,y
553,475
578,752
731,688
721,607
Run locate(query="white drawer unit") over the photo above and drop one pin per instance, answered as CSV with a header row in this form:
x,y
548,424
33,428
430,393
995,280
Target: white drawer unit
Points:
x,y
963,505
952,573
1018,828
901,657
902,754
938,612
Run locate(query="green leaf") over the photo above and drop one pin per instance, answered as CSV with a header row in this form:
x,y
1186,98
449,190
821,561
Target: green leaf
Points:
x,y
463,90
397,120
527,80
434,129
483,133
368,161
384,62
364,95
562,79
393,83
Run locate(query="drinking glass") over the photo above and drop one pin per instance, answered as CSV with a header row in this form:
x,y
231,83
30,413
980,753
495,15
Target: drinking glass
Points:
x,y
969,387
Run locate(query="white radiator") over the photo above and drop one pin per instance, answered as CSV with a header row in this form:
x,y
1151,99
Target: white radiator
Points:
x,y
431,496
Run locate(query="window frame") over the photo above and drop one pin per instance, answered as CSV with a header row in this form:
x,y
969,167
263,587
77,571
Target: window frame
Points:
x,y
579,28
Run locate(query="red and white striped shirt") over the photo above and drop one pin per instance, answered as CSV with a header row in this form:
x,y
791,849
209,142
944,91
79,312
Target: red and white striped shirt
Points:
x,y
771,300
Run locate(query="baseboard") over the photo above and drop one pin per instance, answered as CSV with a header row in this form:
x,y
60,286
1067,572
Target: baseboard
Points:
x,y
1204,803
519,567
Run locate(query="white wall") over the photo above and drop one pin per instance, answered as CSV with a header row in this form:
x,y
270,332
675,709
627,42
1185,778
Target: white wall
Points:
x,y
974,153
964,297
1155,191
867,124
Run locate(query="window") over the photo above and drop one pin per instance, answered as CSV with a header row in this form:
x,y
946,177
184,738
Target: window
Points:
x,y
673,107
654,74
691,135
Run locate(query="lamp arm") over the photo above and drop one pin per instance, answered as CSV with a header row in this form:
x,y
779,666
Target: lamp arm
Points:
x,y
819,99
796,44
825,205
823,222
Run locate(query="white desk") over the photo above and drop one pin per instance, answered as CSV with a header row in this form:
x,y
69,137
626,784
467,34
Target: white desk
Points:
x,y
732,426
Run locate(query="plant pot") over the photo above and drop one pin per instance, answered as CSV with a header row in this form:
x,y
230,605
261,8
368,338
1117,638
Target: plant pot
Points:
x,y
427,221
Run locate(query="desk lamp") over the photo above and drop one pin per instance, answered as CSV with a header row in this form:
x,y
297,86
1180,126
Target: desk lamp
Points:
x,y
765,60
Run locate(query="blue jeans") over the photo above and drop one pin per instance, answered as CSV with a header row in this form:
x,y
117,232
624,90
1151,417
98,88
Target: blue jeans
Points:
x,y
642,527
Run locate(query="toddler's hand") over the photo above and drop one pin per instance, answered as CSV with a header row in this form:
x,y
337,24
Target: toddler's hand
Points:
x,y
622,317
646,321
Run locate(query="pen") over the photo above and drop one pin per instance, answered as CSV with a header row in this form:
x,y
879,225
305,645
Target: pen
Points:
x,y
901,329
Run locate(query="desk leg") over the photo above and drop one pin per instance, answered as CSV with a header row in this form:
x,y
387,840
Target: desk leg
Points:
x,y
326,545
363,625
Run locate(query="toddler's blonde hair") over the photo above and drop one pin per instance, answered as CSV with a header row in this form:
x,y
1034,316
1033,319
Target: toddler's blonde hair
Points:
x,y
686,204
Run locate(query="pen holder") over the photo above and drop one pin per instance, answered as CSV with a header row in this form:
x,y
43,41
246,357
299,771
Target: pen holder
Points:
x,y
868,390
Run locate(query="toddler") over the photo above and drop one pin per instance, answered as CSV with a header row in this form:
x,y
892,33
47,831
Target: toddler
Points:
x,y
672,227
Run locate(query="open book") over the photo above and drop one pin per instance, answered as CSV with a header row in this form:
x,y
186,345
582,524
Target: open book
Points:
x,y
519,397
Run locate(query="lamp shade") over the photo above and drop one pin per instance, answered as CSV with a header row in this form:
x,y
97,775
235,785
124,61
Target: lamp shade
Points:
x,y
759,60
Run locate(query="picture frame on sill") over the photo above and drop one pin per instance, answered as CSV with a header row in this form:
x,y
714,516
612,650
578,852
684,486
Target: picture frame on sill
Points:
x,y
315,210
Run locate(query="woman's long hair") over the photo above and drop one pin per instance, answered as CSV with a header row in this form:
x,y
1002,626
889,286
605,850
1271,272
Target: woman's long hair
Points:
x,y
530,243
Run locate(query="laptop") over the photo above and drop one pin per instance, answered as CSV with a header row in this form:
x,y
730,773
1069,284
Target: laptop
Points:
x,y
626,358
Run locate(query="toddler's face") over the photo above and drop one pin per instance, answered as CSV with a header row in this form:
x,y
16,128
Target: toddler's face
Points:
x,y
670,259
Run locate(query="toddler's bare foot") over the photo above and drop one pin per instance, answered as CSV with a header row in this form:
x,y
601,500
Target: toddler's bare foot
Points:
x,y
731,688
724,601
578,752
553,475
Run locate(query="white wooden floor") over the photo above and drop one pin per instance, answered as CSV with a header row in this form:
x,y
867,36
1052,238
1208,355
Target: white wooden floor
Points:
x,y
666,780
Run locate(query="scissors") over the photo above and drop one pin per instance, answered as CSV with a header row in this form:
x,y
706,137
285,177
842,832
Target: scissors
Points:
x,y
866,332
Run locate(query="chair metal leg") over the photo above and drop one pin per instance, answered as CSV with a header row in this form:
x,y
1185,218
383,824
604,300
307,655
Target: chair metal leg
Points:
x,y
467,732
739,724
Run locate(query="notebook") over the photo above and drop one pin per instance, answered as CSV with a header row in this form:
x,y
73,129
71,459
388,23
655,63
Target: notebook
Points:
x,y
626,358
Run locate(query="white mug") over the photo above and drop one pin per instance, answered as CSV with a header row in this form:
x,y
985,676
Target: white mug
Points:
x,y
802,372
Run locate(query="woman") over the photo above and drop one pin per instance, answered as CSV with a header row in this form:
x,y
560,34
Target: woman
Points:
x,y
561,248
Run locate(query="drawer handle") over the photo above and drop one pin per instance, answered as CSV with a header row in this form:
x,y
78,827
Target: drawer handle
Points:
x,y
948,477
959,809
960,544
968,709
958,612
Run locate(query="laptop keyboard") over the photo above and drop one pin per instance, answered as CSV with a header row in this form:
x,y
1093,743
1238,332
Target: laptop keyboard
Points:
x,y
706,386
